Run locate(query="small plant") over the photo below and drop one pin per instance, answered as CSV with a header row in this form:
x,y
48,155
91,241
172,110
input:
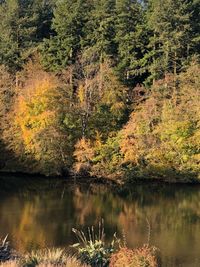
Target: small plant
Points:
x,y
142,257
5,251
92,248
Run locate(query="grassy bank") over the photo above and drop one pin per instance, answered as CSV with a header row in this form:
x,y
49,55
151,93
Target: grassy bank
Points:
x,y
141,257
90,251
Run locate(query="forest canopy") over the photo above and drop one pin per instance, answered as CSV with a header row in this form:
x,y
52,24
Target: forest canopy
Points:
x,y
106,88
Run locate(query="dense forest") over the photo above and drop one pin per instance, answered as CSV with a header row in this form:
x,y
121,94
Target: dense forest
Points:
x,y
106,88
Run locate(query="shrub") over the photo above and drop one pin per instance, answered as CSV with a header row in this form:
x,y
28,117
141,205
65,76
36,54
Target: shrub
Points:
x,y
142,257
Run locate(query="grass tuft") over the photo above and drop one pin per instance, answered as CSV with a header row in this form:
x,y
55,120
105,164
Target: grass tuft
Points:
x,y
92,248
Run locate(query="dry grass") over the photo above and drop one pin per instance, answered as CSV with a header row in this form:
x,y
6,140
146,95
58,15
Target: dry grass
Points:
x,y
70,262
50,258
45,258
10,264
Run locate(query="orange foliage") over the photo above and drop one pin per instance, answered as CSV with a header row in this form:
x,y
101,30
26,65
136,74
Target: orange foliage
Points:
x,y
142,257
83,155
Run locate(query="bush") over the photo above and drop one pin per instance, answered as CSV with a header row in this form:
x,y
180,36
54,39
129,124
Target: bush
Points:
x,y
142,257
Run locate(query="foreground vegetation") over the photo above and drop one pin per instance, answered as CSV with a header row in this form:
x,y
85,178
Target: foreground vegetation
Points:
x,y
143,257
101,88
91,251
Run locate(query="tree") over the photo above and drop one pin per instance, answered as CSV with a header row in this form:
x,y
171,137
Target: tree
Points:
x,y
195,32
40,135
61,50
100,31
131,39
162,136
170,23
101,99
22,30
6,101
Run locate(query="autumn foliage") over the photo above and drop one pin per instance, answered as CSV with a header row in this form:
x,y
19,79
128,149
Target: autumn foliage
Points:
x,y
36,132
142,257
161,138
53,124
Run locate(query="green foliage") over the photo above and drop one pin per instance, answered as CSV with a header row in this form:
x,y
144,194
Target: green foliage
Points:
x,y
22,29
170,22
100,30
6,103
130,38
161,138
97,51
107,159
92,249
61,50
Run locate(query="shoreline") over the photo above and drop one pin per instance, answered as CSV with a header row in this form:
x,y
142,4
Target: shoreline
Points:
x,y
86,179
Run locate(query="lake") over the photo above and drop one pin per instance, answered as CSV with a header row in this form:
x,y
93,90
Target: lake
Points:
x,y
38,213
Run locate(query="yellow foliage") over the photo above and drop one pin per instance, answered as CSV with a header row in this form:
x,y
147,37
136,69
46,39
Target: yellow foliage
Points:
x,y
84,152
163,133
81,94
37,130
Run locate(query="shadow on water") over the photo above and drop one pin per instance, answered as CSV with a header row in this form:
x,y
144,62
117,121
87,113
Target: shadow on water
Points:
x,y
39,212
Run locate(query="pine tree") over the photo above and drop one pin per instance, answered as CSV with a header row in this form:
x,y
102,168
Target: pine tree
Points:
x,y
21,30
130,38
195,21
61,50
170,23
44,10
100,31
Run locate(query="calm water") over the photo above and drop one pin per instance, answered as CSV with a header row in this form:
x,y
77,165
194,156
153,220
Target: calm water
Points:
x,y
38,214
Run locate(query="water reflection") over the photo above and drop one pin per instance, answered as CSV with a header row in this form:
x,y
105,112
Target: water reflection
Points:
x,y
42,213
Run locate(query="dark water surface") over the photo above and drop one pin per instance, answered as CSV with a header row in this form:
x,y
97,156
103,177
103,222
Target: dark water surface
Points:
x,y
41,213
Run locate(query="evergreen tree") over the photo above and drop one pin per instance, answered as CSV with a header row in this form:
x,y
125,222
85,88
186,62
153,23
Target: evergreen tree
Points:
x,y
195,11
61,50
44,10
100,31
21,30
170,23
130,38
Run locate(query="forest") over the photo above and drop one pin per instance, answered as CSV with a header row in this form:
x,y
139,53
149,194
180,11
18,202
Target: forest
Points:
x,y
100,88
